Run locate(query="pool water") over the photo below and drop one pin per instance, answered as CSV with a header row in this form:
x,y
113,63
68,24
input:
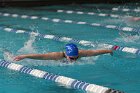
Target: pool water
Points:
x,y
120,71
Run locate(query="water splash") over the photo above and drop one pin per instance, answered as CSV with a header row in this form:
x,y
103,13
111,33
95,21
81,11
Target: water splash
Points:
x,y
81,61
28,46
128,38
8,56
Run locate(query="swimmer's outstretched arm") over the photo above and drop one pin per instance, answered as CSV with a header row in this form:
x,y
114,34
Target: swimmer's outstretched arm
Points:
x,y
135,19
48,56
84,53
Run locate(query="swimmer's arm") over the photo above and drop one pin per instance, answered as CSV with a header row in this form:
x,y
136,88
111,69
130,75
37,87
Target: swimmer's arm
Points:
x,y
48,56
135,18
84,53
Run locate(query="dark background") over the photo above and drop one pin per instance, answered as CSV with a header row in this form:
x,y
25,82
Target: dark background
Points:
x,y
29,3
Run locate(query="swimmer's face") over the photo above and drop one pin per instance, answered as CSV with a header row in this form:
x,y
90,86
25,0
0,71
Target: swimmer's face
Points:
x,y
72,58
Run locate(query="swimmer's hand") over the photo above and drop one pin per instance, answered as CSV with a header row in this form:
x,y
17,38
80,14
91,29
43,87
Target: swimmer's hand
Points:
x,y
18,58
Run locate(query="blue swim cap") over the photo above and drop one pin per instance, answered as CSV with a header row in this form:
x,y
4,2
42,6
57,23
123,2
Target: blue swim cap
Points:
x,y
71,50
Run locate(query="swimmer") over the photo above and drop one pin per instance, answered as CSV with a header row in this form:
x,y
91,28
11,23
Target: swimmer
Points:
x,y
71,54
134,19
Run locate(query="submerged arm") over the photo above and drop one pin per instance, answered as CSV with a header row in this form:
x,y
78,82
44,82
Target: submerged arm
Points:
x,y
84,53
48,56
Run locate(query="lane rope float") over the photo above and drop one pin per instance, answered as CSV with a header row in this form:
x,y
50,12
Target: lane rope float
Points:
x,y
65,81
57,20
126,9
67,39
89,13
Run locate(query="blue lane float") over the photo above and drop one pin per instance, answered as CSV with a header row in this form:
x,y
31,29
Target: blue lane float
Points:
x,y
57,20
67,39
65,81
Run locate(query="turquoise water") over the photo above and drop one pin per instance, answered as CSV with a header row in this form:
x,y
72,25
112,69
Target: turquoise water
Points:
x,y
120,71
